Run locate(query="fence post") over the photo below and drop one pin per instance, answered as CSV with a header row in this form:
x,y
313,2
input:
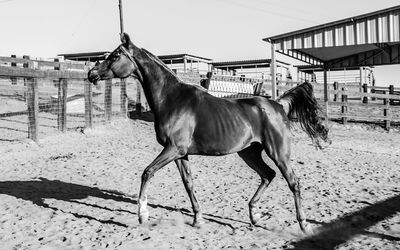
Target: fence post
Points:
x,y
335,87
57,66
365,90
33,108
88,103
257,88
26,80
138,98
386,113
391,92
277,88
108,100
62,105
373,98
123,98
344,107
13,64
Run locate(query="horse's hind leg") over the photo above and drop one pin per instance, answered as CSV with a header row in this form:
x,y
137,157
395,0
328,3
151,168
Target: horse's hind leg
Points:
x,y
252,156
281,157
187,179
294,186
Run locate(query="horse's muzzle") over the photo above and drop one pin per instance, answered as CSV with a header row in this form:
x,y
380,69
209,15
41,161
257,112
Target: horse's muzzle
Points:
x,y
93,76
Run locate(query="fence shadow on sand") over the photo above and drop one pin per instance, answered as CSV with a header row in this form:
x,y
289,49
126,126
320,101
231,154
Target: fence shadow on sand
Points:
x,y
337,232
329,235
38,190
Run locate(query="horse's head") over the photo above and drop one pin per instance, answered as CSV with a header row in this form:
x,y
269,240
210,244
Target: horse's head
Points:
x,y
119,64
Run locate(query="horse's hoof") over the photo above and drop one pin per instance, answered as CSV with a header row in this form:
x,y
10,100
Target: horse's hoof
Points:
x,y
255,218
143,217
306,228
199,222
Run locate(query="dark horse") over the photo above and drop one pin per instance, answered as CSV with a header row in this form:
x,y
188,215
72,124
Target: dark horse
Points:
x,y
189,121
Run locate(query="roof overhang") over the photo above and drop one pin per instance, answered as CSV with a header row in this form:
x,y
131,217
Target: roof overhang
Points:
x,y
87,56
181,58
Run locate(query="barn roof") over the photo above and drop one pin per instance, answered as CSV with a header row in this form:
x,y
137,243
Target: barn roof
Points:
x,y
86,56
363,40
179,58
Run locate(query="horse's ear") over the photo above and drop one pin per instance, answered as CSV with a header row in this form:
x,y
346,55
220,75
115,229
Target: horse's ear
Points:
x,y
125,39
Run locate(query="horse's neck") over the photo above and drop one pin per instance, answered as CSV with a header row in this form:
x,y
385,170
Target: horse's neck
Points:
x,y
158,80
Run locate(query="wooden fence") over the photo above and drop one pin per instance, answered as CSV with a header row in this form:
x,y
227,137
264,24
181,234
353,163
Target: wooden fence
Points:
x,y
374,104
52,87
65,83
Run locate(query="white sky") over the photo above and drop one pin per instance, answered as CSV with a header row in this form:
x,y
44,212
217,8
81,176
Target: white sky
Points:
x,y
217,29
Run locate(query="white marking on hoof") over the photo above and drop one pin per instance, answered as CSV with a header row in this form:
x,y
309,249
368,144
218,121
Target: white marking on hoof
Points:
x,y
255,218
143,212
143,216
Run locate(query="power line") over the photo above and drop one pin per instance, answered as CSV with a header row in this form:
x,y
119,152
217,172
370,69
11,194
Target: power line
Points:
x,y
305,11
268,11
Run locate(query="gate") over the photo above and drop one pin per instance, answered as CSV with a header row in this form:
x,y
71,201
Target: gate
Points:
x,y
233,86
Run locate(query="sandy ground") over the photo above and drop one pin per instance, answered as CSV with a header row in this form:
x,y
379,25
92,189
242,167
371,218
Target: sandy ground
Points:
x,y
79,191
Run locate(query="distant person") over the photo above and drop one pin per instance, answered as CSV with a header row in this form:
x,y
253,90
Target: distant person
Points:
x,y
205,83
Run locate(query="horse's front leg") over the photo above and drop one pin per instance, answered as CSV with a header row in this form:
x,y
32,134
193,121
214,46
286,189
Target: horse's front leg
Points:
x,y
168,154
187,179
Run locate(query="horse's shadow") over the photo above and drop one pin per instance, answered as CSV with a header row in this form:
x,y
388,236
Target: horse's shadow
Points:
x,y
37,191
147,116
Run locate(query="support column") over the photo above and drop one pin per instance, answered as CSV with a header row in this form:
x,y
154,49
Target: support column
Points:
x,y
326,96
273,71
184,64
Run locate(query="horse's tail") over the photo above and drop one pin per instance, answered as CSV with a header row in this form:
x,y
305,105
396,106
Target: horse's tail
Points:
x,y
300,103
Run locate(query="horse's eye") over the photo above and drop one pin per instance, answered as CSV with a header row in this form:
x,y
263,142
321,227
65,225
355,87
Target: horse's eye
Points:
x,y
115,57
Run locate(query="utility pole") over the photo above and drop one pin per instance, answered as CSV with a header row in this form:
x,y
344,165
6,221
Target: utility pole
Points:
x,y
121,18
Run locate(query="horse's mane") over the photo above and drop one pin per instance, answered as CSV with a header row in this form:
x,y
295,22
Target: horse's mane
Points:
x,y
160,63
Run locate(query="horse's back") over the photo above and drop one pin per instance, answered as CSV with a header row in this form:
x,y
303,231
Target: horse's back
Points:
x,y
224,126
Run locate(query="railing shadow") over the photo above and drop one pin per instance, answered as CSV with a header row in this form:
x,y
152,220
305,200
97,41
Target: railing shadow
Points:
x,y
332,234
38,190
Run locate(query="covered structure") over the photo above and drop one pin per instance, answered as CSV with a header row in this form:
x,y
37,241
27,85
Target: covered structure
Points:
x,y
186,62
86,56
349,75
360,41
177,62
257,67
